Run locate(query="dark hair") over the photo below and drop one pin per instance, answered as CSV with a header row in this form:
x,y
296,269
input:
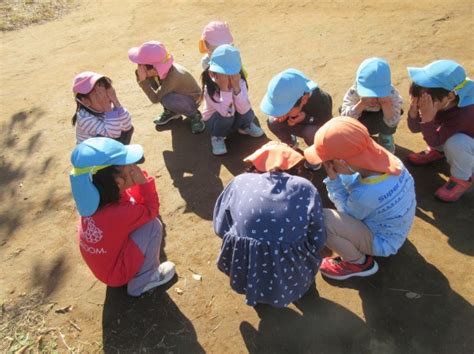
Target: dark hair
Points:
x,y
211,86
149,67
437,93
296,170
104,81
297,103
104,181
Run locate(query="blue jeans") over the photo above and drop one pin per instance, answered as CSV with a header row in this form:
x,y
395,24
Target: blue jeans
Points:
x,y
221,126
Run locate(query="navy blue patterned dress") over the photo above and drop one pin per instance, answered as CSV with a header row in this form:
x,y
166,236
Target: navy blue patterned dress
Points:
x,y
272,230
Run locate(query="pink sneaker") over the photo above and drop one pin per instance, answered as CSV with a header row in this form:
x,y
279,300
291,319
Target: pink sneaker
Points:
x,y
424,157
336,268
453,189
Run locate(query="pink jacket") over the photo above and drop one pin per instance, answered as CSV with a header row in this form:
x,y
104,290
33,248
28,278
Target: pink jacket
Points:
x,y
226,103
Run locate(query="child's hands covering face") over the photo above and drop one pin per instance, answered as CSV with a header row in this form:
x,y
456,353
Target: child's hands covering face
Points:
x,y
141,72
223,81
427,107
235,83
413,110
112,95
137,175
294,120
330,170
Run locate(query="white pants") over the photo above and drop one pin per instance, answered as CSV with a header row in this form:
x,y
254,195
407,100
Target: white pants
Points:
x,y
459,151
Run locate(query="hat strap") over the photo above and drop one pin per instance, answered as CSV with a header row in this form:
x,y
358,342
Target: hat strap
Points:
x,y
166,58
78,171
461,85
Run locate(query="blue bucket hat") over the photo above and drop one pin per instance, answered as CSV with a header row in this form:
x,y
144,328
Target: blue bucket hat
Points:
x,y
284,90
93,155
446,74
373,78
225,59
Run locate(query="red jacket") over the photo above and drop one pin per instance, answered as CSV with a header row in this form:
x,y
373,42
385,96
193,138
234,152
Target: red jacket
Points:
x,y
104,239
444,125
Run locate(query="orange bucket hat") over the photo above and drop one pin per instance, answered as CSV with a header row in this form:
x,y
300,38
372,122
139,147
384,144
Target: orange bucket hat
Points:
x,y
274,155
347,139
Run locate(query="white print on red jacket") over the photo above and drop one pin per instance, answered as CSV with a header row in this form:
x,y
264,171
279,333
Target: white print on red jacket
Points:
x,y
92,234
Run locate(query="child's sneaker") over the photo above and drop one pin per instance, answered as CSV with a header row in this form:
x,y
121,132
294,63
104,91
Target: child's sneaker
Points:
x,y
312,167
163,274
424,157
294,142
166,116
197,125
253,130
387,142
336,268
218,145
453,189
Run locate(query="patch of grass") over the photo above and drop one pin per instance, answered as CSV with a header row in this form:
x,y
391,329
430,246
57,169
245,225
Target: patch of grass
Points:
x,y
15,14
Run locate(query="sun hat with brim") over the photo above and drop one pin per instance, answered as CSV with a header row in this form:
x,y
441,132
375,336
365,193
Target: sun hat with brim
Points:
x,y
215,33
274,155
373,78
225,59
152,53
84,82
93,155
347,139
446,74
284,90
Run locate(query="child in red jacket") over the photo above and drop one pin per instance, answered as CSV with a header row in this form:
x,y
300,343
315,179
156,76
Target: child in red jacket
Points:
x,y
119,233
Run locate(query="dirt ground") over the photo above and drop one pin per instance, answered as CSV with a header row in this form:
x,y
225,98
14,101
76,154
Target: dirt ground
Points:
x,y
421,300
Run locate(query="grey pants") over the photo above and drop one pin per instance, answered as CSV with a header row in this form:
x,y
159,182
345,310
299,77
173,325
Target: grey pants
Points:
x,y
181,104
148,238
221,126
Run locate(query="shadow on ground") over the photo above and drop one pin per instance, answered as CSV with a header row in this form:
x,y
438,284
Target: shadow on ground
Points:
x,y
409,306
151,323
195,171
452,219
322,327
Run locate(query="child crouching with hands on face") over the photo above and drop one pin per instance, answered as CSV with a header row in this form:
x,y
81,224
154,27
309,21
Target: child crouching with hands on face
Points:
x,y
442,109
373,194
98,111
374,101
226,104
119,233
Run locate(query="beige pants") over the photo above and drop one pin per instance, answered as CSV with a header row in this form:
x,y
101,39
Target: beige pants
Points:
x,y
347,236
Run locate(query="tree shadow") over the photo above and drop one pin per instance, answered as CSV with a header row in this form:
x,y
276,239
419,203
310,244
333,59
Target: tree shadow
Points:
x,y
196,172
322,327
151,323
48,276
452,219
409,306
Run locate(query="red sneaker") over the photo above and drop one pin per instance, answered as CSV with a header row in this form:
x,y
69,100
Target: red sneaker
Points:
x,y
336,268
424,157
453,189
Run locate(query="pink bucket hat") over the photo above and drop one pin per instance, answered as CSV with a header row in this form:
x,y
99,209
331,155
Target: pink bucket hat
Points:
x,y
215,33
85,81
152,53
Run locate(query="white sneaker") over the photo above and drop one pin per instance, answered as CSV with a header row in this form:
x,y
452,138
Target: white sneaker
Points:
x,y
311,167
253,130
163,274
218,145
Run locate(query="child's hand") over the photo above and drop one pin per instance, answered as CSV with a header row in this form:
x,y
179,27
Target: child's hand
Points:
x,y
292,121
413,110
387,106
235,83
112,95
427,107
141,72
223,81
137,175
99,99
330,170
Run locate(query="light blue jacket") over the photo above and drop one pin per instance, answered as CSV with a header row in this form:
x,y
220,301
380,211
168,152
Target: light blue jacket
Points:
x,y
385,203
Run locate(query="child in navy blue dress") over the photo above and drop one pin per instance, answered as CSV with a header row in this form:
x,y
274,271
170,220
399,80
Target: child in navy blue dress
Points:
x,y
271,224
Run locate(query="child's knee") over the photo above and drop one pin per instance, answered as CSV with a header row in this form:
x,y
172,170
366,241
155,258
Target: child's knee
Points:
x,y
458,144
